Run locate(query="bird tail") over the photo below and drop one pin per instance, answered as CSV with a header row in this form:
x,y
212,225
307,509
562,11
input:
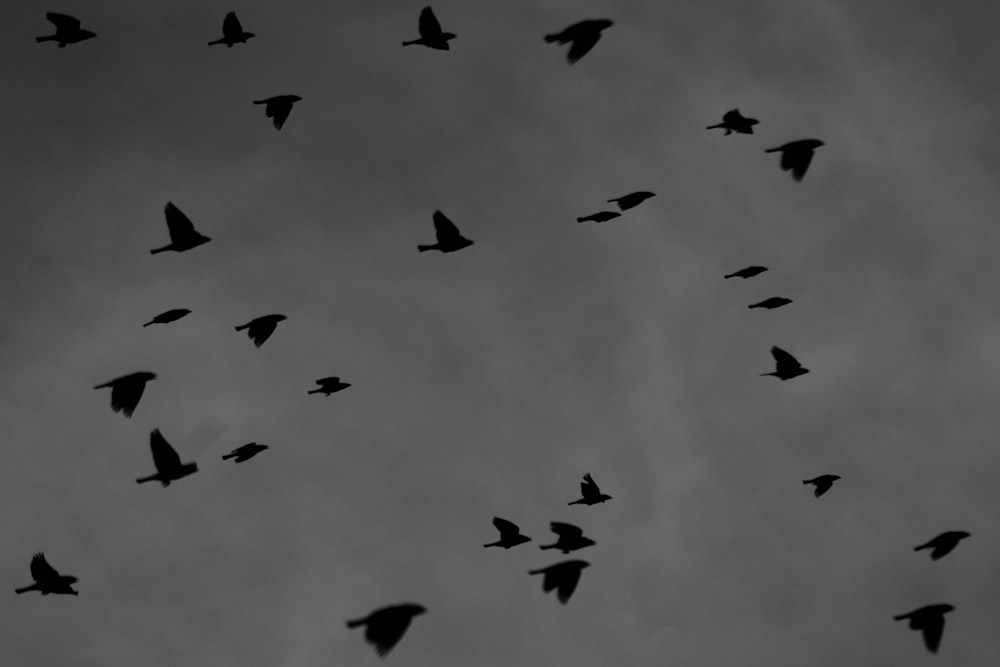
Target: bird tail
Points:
x,y
423,248
547,546
775,373
922,546
260,101
149,322
228,456
576,502
579,220
536,571
412,41
156,250
356,622
754,305
218,41
315,391
494,544
712,127
551,38
48,38
102,386
729,275
32,587
242,327
901,617
771,150
146,479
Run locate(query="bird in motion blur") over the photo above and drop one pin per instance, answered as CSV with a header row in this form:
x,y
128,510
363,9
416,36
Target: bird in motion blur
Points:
x,y
590,492
581,37
771,303
748,272
245,452
449,239
232,32
823,483
47,579
330,385
930,621
796,155
631,200
431,34
68,30
260,328
168,316
278,108
734,121
510,534
786,366
386,626
183,235
561,577
167,461
127,390
570,538
599,217
943,544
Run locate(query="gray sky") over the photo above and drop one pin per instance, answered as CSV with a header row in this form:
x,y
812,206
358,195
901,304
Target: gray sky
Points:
x,y
486,382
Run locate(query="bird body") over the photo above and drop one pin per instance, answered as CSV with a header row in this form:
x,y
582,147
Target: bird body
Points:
x,y
631,200
771,303
943,544
278,108
431,34
748,272
449,239
47,579
330,385
386,626
232,32
930,621
183,235
561,577
599,217
570,538
823,483
68,30
786,366
796,155
590,492
127,390
734,121
581,37
260,328
510,534
168,316
168,463
244,452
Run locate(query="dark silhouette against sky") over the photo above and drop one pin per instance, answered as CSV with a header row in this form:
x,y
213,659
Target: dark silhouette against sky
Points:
x,y
562,578
431,34
786,366
748,272
183,235
278,108
245,452
168,316
232,32
259,329
771,303
734,121
167,462
571,538
599,217
68,30
943,544
510,534
47,579
590,493
929,620
127,390
632,199
796,155
581,37
822,483
329,386
449,239
386,626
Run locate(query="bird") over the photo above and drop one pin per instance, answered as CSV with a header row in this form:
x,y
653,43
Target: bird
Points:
x,y
278,107
771,303
599,217
929,620
68,30
167,461
561,577
127,390
570,538
823,483
47,579
168,316
748,272
232,32
786,366
581,36
183,235
329,386
734,121
431,34
510,534
631,200
449,239
590,492
386,626
796,155
943,544
260,328
244,452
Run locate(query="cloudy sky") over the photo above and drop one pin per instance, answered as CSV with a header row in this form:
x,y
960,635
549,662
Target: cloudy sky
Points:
x,y
488,381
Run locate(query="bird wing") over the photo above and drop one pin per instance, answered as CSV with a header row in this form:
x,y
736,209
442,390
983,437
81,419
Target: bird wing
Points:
x,y
582,44
783,358
797,161
429,25
566,530
568,578
165,458
231,25
588,487
385,630
933,629
63,21
125,395
506,528
41,570
260,331
178,224
444,228
279,110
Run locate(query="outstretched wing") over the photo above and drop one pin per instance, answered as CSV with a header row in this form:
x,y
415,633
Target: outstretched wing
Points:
x,y
568,578
588,487
63,22
566,530
784,359
933,629
506,528
732,116
164,457
429,25
178,224
444,228
125,395
797,161
41,570
231,25
583,42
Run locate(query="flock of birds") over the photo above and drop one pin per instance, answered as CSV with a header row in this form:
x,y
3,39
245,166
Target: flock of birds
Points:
x,y
385,626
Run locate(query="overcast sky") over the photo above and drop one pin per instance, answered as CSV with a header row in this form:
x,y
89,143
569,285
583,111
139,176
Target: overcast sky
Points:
x,y
488,381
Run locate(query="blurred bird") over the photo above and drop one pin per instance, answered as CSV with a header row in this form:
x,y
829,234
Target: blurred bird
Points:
x,y
329,386
183,235
929,620
748,272
431,34
510,534
943,544
561,577
260,328
786,366
278,107
232,32
127,390
590,492
796,156
583,35
168,316
168,463
632,199
244,452
570,538
68,30
47,579
771,303
599,217
386,626
733,121
823,483
449,239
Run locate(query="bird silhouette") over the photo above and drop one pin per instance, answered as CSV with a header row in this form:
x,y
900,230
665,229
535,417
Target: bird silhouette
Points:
x,y
431,34
581,36
449,239
599,217
943,544
748,272
930,621
278,107
47,579
167,462
733,121
127,390
786,366
771,303
796,156
561,577
590,492
168,316
631,200
260,328
68,30
570,538
183,235
386,626
244,452
232,32
510,534
329,386
823,483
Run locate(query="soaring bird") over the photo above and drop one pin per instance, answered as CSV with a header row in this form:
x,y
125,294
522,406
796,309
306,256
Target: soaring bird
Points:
x,y
748,272
183,235
168,316
386,626
581,36
431,34
167,461
570,538
733,121
127,390
796,155
561,577
631,200
449,239
510,534
943,544
929,620
823,483
278,107
590,492
244,452
771,303
47,579
786,366
260,328
329,386
599,217
232,32
68,30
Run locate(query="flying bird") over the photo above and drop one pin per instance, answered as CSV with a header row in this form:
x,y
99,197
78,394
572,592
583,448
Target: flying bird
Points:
x,y
244,452
168,316
733,121
386,626
183,235
561,577
599,217
823,483
278,107
260,328
47,579
232,32
943,544
449,239
167,461
796,156
771,303
329,386
570,538
127,390
510,534
590,492
431,34
786,366
68,30
632,199
581,36
929,620
748,272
